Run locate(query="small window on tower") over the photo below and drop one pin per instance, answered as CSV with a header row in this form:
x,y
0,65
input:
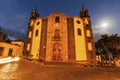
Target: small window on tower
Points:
x,y
90,46
57,19
78,22
88,33
36,32
29,35
79,32
28,46
38,23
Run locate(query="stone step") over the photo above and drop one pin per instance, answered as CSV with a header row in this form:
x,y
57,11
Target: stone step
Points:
x,y
63,63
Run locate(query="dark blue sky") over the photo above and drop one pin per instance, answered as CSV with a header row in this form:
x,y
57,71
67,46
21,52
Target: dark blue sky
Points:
x,y
14,14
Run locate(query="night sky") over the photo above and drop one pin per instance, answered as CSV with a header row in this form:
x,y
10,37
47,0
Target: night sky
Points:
x,y
15,14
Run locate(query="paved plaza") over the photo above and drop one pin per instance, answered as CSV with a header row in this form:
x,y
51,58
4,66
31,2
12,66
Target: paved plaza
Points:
x,y
27,70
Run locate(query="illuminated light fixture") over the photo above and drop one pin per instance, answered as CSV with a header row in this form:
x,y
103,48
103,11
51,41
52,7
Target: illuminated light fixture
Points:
x,y
9,60
5,59
16,58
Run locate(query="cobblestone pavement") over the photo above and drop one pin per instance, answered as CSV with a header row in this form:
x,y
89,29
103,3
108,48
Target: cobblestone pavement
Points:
x,y
26,70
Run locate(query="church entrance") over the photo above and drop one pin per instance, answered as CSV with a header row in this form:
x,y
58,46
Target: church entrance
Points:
x,y
56,52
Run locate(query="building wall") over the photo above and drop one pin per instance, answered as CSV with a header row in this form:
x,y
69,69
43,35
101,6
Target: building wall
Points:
x,y
28,42
36,37
20,43
5,47
20,48
75,41
71,40
90,48
80,45
43,41
63,42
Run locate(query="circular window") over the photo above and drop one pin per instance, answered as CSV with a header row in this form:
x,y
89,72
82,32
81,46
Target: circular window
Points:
x,y
38,23
78,21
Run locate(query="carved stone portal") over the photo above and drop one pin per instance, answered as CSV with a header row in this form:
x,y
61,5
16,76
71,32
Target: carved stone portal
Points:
x,y
56,52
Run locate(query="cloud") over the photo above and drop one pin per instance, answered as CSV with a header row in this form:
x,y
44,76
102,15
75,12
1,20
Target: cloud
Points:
x,y
14,25
98,31
12,38
12,20
18,22
14,34
96,36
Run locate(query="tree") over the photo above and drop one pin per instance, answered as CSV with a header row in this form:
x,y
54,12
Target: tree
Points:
x,y
115,44
107,46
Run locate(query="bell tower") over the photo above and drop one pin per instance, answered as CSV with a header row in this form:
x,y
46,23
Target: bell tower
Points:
x,y
84,12
34,14
34,35
89,42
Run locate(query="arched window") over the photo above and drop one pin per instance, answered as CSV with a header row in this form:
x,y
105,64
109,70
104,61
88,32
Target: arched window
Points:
x,y
36,32
57,34
79,32
57,19
85,14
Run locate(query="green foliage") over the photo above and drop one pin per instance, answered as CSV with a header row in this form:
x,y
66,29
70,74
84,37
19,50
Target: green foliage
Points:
x,y
108,47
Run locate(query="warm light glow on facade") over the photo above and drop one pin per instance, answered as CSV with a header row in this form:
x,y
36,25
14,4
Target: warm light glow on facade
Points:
x,y
28,46
90,46
79,40
16,48
86,21
88,33
61,26
30,34
36,39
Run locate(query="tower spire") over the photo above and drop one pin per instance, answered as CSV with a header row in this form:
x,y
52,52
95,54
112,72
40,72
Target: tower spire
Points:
x,y
36,8
83,5
34,13
84,12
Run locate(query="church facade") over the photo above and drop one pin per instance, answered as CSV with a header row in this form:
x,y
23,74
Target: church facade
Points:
x,y
59,37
